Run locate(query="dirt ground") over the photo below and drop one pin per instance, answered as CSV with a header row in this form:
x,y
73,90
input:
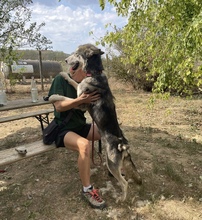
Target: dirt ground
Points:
x,y
166,145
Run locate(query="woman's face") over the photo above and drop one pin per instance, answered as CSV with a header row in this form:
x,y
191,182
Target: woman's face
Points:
x,y
78,75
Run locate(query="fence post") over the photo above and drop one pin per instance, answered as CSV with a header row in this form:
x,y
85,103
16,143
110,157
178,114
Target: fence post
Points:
x,y
40,70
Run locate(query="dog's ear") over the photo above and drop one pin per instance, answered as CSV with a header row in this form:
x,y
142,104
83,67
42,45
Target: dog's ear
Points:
x,y
89,50
93,51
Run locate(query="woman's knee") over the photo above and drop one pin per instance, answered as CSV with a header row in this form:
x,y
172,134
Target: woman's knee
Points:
x,y
77,143
84,147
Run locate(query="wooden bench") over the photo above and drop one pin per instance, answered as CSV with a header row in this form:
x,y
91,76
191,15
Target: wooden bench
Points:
x,y
8,156
41,116
11,155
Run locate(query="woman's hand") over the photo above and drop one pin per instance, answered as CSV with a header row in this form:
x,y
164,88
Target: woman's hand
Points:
x,y
88,98
84,98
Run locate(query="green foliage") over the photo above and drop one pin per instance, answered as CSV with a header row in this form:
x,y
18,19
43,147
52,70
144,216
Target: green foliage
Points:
x,y
16,29
136,73
46,55
165,38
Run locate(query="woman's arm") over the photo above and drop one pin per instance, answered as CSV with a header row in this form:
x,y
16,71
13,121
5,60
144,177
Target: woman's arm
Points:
x,y
68,104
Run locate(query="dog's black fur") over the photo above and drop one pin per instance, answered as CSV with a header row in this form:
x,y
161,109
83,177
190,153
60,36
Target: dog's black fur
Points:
x,y
104,114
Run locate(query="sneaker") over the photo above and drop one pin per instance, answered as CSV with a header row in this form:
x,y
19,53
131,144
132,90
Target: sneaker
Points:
x,y
93,198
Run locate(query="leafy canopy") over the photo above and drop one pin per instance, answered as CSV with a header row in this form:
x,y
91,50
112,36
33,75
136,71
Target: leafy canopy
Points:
x,y
16,29
164,37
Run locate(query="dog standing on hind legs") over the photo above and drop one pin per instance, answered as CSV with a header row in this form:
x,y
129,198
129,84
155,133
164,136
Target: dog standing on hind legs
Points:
x,y
88,58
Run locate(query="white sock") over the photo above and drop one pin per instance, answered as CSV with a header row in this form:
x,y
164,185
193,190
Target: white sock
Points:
x,y
85,188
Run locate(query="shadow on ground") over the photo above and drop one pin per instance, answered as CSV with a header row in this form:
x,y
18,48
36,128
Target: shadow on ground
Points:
x,y
47,187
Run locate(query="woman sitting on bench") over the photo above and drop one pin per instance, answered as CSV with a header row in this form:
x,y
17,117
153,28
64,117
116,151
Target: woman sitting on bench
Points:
x,y
76,134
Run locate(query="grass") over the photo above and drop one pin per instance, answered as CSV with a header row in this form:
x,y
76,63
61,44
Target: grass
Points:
x,y
164,137
169,169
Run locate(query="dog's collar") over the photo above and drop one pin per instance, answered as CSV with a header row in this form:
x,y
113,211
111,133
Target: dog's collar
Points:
x,y
89,74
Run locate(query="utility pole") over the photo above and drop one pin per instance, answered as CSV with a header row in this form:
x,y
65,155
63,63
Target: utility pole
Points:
x,y
41,70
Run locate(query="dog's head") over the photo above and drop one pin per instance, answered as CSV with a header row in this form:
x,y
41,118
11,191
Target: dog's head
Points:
x,y
87,57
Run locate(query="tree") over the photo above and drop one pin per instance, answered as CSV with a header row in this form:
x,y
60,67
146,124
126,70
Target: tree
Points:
x,y
47,55
16,30
164,37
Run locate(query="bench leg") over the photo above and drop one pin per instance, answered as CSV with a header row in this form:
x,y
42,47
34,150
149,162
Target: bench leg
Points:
x,y
42,119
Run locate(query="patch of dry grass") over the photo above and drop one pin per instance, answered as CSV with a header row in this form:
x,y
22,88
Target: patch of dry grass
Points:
x,y
166,144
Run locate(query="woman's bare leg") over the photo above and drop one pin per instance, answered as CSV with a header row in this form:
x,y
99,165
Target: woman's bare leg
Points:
x,y
77,143
96,133
82,145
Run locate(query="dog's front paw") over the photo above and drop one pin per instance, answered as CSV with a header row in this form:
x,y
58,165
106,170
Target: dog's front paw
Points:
x,y
69,79
54,98
65,75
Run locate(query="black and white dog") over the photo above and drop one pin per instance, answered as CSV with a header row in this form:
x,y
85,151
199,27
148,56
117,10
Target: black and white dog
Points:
x,y
88,58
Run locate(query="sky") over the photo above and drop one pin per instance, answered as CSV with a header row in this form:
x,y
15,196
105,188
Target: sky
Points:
x,y
69,22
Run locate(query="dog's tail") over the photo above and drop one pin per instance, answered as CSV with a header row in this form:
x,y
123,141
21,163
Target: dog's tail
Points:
x,y
130,168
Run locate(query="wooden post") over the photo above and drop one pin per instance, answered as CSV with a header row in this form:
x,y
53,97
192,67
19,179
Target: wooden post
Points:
x,y
40,70
23,79
107,62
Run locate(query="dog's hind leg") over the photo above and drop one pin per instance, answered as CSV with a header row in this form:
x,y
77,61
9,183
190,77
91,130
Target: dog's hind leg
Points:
x,y
130,168
115,170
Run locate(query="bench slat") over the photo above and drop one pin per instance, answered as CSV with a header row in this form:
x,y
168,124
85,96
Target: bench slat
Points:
x,y
25,115
11,155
